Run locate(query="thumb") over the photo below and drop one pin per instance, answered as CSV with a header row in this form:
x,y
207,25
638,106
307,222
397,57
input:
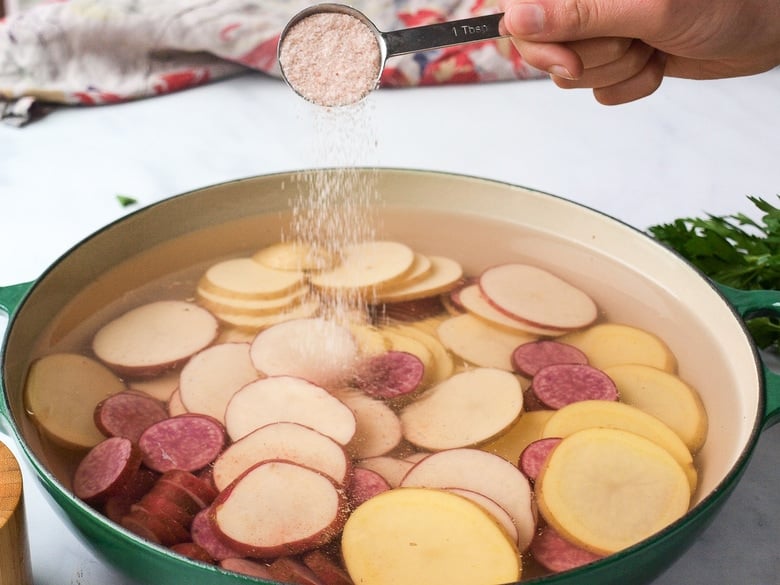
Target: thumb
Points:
x,y
570,20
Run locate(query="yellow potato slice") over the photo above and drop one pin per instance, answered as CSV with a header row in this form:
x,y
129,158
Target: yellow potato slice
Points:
x,y
295,256
369,339
227,304
445,273
665,396
443,366
420,268
527,429
480,343
367,265
410,536
302,310
245,278
588,414
464,410
61,393
610,344
607,489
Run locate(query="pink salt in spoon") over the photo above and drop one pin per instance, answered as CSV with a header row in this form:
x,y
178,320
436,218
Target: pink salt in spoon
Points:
x,y
333,55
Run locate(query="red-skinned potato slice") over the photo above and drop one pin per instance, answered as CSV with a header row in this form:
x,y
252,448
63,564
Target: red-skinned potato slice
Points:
x,y
288,399
154,337
247,567
279,508
326,569
473,301
535,295
291,570
378,429
491,507
484,473
106,469
282,441
464,410
211,377
61,393
203,534
318,350
192,551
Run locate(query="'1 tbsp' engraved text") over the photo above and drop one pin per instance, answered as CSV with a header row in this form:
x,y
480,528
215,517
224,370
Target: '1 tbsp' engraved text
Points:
x,y
466,30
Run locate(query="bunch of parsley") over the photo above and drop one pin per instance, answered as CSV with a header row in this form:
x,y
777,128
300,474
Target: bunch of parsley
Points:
x,y
734,250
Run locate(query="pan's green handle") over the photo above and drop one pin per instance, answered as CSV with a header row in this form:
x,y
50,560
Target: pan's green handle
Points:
x,y
749,303
10,298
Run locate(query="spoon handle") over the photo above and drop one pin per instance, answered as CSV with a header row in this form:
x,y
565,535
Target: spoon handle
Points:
x,y
444,34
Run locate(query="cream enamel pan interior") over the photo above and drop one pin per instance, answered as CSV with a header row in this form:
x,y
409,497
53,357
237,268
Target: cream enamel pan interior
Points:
x,y
479,222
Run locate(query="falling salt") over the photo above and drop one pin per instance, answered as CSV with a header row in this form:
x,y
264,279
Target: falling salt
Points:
x,y
335,209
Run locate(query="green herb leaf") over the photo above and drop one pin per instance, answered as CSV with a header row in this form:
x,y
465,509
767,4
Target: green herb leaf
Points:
x,y
734,250
125,200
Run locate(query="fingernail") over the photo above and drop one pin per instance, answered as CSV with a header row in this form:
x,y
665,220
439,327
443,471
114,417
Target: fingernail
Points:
x,y
560,71
524,19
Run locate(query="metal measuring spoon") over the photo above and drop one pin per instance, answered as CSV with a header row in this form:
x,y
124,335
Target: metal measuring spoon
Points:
x,y
312,61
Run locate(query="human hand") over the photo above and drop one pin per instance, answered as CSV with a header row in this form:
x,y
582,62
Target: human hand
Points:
x,y
622,49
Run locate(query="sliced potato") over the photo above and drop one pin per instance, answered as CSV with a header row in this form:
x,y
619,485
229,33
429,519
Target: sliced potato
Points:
x,y
611,344
367,265
398,341
484,473
369,339
229,304
295,256
475,303
61,393
443,365
588,414
607,489
391,469
666,397
416,535
535,295
378,428
255,323
445,274
464,410
527,429
245,278
480,343
154,337
420,268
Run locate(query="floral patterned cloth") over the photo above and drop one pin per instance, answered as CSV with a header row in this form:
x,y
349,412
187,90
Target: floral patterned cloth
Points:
x,y
91,52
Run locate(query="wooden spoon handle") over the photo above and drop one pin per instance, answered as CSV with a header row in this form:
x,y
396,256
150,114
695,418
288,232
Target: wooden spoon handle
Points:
x,y
15,568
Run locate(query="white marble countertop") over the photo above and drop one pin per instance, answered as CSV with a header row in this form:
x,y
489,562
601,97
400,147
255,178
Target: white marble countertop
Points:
x,y
691,148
